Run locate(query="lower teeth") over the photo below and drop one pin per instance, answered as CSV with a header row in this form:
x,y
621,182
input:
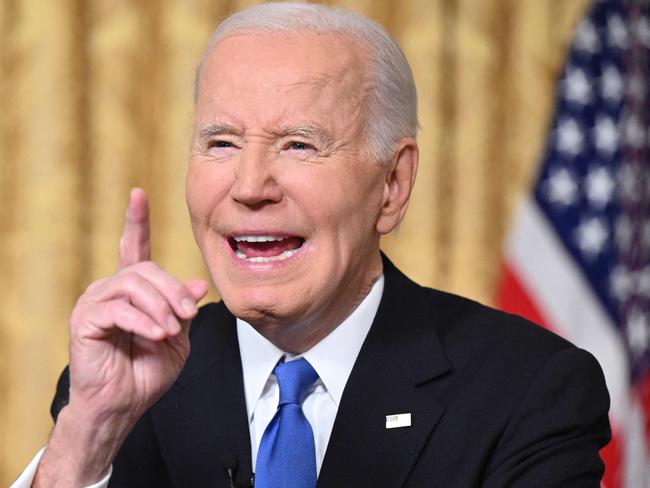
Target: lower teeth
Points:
x,y
267,259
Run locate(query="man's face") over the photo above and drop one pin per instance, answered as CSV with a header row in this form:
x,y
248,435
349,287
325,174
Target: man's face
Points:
x,y
283,195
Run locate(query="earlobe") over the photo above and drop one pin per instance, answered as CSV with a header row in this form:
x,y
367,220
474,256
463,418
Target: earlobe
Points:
x,y
400,178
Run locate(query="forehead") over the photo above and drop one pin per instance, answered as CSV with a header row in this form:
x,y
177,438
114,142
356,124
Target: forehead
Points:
x,y
283,72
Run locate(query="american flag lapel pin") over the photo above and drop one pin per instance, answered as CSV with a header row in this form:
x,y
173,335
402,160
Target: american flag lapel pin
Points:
x,y
398,420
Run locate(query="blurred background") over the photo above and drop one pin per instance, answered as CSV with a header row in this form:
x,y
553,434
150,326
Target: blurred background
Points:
x,y
96,97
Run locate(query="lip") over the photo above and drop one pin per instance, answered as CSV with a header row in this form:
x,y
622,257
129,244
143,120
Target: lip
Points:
x,y
272,233
244,263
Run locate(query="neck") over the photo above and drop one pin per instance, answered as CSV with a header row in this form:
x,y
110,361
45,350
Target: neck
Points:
x,y
297,337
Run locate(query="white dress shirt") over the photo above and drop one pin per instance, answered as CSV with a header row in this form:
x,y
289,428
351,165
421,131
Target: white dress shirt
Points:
x,y
332,358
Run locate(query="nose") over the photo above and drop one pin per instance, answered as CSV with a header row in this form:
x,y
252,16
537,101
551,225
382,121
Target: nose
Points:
x,y
255,183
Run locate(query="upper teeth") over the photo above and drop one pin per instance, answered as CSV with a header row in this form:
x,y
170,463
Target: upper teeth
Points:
x,y
258,238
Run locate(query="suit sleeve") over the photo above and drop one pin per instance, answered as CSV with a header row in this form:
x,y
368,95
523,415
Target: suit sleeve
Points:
x,y
62,394
555,433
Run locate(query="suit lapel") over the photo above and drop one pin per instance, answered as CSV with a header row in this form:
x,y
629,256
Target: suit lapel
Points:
x,y
394,374
201,423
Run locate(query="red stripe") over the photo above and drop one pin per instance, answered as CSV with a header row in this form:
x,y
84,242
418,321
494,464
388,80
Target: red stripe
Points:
x,y
612,456
512,297
643,394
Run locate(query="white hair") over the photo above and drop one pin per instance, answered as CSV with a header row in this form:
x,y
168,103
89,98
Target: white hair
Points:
x,y
391,111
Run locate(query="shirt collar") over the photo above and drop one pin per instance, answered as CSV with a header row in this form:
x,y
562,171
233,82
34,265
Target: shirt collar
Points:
x,y
332,358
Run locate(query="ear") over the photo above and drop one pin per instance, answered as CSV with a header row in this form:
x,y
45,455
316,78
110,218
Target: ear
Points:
x,y
400,178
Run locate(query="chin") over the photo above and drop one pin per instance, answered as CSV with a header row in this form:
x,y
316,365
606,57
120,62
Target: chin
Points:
x,y
258,305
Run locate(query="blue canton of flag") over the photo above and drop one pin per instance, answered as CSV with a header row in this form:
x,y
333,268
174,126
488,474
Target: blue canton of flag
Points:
x,y
594,186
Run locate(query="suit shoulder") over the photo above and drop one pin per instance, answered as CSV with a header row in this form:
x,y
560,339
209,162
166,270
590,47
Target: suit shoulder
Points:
x,y
506,351
456,317
469,329
464,327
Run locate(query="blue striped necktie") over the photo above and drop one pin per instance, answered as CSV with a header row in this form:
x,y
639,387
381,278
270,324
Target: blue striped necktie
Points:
x,y
286,457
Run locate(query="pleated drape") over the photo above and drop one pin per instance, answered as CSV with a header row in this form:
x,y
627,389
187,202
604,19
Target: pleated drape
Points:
x,y
96,97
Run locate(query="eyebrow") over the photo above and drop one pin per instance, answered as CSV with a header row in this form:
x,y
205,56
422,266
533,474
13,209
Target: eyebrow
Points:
x,y
308,131
215,129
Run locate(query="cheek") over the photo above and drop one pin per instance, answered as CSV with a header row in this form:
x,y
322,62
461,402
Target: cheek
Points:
x,y
347,207
205,186
361,196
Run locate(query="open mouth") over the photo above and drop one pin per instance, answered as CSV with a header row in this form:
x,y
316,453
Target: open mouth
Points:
x,y
265,249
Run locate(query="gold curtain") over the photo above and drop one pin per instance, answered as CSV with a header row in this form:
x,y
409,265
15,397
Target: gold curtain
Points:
x,y
96,97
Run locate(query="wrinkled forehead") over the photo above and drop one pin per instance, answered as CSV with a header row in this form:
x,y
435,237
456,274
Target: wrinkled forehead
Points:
x,y
247,64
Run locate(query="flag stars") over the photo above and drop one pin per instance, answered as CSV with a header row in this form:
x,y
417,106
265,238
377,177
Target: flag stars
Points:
x,y
633,132
620,282
638,331
577,87
643,31
636,89
606,135
591,236
628,284
623,232
643,284
599,186
616,32
586,38
561,187
611,84
629,183
570,137
645,239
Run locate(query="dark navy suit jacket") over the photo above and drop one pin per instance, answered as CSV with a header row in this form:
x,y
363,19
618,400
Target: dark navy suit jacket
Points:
x,y
495,401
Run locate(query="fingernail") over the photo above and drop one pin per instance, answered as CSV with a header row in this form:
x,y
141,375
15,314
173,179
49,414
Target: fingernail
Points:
x,y
172,325
188,306
158,330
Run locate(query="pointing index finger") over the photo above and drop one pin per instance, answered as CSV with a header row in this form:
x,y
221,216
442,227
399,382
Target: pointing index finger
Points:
x,y
134,243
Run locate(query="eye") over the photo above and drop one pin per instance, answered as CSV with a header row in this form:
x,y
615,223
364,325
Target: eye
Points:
x,y
220,148
299,146
219,144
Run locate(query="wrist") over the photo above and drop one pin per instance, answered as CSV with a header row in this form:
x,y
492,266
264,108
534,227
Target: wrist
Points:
x,y
82,447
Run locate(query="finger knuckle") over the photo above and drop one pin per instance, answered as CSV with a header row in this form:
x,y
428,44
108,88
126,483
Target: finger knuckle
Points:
x,y
161,308
77,315
122,312
179,290
94,286
147,266
131,281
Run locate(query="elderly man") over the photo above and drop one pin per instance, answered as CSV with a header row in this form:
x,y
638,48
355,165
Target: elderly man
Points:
x,y
323,364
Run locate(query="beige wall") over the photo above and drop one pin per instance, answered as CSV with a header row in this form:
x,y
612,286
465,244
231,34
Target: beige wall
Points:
x,y
95,97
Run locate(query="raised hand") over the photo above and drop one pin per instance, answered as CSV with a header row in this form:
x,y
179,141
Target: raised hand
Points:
x,y
129,332
128,343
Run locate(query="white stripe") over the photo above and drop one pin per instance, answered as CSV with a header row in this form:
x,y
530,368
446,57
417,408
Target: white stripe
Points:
x,y
636,467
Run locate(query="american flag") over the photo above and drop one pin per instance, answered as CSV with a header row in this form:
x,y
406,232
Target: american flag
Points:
x,y
578,257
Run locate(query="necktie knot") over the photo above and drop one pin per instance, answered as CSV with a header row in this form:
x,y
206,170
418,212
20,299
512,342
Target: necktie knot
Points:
x,y
294,379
